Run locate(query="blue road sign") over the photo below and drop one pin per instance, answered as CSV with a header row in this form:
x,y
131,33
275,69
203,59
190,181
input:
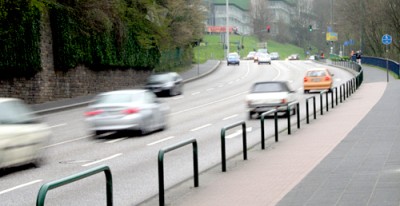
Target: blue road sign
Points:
x,y
386,39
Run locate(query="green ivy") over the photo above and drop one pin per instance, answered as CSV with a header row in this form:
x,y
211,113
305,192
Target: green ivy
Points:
x,y
19,39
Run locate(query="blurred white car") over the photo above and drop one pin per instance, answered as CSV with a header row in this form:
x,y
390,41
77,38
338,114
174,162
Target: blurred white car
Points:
x,y
268,95
126,110
22,135
264,59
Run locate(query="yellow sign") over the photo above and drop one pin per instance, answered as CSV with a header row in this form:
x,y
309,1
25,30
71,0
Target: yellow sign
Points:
x,y
331,36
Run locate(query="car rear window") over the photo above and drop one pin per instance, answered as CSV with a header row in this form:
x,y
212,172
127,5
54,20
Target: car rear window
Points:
x,y
15,112
119,98
269,87
316,73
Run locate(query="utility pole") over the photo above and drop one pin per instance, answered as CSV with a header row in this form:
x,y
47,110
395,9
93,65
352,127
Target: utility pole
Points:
x,y
227,28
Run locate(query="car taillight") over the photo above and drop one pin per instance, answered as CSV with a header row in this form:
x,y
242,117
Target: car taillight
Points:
x,y
327,78
93,113
283,101
130,111
305,79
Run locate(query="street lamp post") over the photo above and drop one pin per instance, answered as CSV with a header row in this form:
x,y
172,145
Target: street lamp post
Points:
x,y
227,28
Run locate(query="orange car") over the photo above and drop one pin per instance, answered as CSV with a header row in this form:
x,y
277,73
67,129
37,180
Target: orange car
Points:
x,y
318,79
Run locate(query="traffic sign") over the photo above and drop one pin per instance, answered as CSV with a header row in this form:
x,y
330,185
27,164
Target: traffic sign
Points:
x,y
386,39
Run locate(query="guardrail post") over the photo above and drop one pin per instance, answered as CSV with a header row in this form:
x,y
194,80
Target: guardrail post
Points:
x,y
332,99
297,113
307,109
336,94
262,118
321,103
161,166
223,151
327,102
58,183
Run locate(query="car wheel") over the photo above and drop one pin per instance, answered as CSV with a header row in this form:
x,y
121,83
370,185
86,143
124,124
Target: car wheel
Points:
x,y
251,115
172,91
97,133
306,91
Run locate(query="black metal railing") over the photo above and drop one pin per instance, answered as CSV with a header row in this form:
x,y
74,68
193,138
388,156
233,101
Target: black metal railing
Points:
x,y
275,111
67,180
161,166
223,147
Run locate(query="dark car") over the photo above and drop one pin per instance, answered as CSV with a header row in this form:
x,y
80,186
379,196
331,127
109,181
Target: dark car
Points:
x,y
294,57
170,83
233,58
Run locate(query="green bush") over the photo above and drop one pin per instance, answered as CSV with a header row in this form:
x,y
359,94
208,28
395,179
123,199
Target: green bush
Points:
x,y
19,39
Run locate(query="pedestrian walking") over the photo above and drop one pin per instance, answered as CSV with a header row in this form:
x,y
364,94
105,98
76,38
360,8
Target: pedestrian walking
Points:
x,y
358,57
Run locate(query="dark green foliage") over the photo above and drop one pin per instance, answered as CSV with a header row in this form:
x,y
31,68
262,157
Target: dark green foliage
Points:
x,y
19,39
75,44
99,34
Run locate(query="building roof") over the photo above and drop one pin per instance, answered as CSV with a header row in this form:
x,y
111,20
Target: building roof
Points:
x,y
241,4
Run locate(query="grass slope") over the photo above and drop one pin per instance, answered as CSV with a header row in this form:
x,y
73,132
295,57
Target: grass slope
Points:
x,y
212,48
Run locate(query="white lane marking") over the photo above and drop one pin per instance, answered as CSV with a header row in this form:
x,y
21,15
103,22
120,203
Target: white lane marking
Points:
x,y
161,140
210,89
237,133
116,140
230,117
204,105
279,73
102,160
68,141
178,97
58,125
201,127
194,93
19,186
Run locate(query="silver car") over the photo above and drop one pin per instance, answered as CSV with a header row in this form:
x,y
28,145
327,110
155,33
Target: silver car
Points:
x,y
22,135
268,95
126,110
264,59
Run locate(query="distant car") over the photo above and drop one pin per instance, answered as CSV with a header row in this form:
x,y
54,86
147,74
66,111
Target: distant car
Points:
x,y
126,110
255,59
262,51
318,79
274,56
22,134
169,83
265,96
233,58
264,59
251,55
294,57
313,57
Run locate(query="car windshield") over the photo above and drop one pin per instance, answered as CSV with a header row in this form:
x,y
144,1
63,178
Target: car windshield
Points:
x,y
160,78
316,73
14,112
262,50
269,87
118,98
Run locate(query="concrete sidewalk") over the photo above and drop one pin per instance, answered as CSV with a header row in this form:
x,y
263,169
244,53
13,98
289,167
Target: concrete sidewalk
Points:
x,y
348,156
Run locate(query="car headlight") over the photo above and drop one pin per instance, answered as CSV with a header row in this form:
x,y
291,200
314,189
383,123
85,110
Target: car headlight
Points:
x,y
169,84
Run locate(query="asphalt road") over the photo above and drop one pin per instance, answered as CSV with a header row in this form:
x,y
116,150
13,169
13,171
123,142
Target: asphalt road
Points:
x,y
207,105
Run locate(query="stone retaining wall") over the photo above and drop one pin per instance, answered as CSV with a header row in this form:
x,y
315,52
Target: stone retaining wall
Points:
x,y
50,84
